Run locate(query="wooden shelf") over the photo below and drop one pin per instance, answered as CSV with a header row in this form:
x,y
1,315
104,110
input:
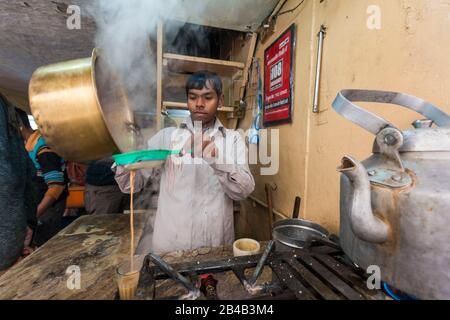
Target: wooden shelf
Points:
x,y
183,105
188,64
175,83
173,69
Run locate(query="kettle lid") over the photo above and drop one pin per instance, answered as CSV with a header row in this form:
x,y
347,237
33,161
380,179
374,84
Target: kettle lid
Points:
x,y
423,140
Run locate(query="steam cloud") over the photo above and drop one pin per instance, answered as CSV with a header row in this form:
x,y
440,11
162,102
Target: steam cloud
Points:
x,y
126,36
124,29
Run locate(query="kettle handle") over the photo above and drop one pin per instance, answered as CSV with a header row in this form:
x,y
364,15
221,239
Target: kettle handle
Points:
x,y
373,123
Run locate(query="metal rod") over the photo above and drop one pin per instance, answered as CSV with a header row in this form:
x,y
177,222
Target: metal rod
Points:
x,y
296,211
261,262
321,36
240,274
326,242
173,273
212,266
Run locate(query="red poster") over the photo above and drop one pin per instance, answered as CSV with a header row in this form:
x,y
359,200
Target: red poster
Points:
x,y
278,79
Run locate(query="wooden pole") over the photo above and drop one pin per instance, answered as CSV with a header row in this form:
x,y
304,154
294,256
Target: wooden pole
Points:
x,y
159,68
132,175
269,207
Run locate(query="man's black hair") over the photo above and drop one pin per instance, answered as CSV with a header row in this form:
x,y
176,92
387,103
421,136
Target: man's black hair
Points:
x,y
24,118
202,79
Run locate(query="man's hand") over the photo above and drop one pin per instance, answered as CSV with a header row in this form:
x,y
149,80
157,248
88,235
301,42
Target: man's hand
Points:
x,y
28,237
46,203
201,146
27,249
209,149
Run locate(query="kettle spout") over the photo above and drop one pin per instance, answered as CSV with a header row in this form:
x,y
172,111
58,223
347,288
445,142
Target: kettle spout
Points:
x,y
364,224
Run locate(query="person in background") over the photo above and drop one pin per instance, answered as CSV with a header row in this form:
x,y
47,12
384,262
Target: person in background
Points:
x,y
18,197
102,194
76,173
51,179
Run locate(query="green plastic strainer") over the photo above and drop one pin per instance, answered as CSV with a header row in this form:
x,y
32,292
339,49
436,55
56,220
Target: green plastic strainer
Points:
x,y
124,159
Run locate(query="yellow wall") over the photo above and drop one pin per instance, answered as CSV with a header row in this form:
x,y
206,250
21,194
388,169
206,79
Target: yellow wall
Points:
x,y
410,53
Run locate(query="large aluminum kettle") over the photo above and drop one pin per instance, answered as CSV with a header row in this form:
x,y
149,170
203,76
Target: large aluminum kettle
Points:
x,y
395,205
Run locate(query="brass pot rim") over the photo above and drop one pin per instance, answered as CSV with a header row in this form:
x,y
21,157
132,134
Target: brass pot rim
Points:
x,y
94,56
102,144
96,53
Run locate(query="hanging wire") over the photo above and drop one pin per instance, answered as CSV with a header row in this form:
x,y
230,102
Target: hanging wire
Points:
x,y
290,10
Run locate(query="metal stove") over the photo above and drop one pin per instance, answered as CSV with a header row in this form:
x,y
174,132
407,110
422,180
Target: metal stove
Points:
x,y
320,272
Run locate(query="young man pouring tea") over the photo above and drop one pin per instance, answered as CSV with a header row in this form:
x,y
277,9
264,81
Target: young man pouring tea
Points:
x,y
198,185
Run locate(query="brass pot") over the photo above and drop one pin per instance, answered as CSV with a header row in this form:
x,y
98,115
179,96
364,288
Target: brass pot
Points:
x,y
81,109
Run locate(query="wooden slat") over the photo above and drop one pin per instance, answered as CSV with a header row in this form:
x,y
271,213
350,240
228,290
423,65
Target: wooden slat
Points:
x,y
189,64
233,121
286,277
183,105
330,277
159,68
248,63
268,190
174,105
313,281
201,60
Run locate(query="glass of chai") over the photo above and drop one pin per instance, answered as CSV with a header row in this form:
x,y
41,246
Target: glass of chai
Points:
x,y
127,275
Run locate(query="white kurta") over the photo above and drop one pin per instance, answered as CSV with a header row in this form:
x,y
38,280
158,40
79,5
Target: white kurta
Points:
x,y
195,205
